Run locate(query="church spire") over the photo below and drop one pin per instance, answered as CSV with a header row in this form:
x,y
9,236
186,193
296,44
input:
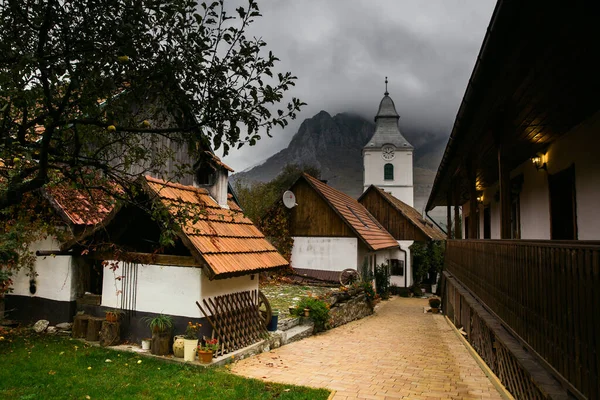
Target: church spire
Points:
x,y
386,91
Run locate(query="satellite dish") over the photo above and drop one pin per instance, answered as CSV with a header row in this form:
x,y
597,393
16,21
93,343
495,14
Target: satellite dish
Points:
x,y
289,199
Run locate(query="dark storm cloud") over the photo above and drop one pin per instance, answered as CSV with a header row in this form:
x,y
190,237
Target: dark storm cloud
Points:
x,y
342,50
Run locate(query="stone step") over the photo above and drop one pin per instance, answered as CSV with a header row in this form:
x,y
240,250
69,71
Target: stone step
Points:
x,y
296,333
288,323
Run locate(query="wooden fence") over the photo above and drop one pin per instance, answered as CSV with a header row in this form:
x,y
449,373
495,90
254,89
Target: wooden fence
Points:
x,y
546,293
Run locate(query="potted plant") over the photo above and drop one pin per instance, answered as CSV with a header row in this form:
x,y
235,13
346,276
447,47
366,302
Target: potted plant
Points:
x,y
113,315
190,341
161,327
435,303
206,351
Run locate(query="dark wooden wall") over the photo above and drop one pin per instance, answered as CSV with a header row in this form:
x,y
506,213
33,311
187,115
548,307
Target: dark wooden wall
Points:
x,y
313,216
391,219
546,292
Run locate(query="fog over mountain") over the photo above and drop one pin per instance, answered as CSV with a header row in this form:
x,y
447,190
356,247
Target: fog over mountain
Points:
x,y
341,52
334,145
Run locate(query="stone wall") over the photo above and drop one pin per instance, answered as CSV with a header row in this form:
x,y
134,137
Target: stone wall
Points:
x,y
344,310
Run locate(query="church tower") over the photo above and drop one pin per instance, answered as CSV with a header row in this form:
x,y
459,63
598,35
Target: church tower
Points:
x,y
388,157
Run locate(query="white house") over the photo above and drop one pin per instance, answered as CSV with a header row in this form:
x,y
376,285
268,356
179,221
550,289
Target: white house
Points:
x,y
121,263
333,232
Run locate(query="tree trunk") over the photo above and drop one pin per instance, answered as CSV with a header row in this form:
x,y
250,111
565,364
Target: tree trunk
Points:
x,y
110,334
80,326
161,343
93,329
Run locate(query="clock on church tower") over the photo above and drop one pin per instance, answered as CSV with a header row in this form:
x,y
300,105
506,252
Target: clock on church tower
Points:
x,y
387,156
388,152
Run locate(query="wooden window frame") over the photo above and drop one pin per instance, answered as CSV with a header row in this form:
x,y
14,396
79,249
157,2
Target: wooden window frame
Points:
x,y
388,172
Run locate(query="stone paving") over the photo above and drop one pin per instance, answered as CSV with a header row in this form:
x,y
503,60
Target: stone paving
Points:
x,y
398,353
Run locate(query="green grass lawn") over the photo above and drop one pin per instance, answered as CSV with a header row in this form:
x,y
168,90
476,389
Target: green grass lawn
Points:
x,y
283,295
51,367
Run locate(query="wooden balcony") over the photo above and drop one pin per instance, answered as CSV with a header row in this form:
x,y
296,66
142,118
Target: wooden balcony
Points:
x,y
546,293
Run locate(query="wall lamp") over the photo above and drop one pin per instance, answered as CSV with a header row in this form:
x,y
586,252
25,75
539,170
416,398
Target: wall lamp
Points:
x,y
480,198
539,160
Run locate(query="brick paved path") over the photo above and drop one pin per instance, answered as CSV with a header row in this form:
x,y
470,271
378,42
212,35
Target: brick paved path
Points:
x,y
398,353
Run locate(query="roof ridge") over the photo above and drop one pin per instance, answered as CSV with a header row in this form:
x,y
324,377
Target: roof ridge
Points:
x,y
176,185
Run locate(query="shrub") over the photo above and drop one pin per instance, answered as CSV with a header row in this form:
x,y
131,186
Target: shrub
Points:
x,y
319,311
382,280
368,289
416,290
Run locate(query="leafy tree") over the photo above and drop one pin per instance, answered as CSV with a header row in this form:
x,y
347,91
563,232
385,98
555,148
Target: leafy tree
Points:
x,y
427,257
100,86
262,204
96,93
257,197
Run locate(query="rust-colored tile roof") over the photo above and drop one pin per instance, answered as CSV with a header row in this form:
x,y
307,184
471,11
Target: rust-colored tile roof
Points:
x,y
225,240
413,216
355,215
218,161
80,207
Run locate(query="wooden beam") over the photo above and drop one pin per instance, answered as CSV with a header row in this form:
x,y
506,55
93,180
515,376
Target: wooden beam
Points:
x,y
449,211
148,258
457,221
504,188
471,179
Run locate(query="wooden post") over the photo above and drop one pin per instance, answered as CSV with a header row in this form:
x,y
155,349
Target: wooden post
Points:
x,y
473,220
457,224
504,188
449,212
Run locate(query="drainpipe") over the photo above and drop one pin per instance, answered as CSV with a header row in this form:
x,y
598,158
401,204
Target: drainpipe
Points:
x,y
405,263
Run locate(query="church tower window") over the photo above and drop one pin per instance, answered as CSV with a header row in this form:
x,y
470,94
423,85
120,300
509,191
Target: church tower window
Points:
x,y
388,172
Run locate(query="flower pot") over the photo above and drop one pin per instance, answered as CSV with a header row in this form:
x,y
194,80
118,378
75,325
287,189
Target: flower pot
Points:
x,y
435,310
178,346
112,316
205,356
307,312
272,327
189,349
146,344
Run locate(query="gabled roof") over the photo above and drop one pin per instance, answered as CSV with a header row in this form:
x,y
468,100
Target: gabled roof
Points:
x,y
387,130
410,213
225,240
362,223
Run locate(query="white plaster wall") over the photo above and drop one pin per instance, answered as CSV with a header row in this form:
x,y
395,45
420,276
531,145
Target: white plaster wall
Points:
x,y
407,279
55,278
219,190
160,289
578,147
402,185
325,253
218,287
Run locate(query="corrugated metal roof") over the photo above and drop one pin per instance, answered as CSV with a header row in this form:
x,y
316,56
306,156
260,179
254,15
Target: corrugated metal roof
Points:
x,y
225,239
80,207
412,215
355,215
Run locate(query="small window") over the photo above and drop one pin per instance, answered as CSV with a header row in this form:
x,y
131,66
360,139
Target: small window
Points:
x,y
388,172
397,267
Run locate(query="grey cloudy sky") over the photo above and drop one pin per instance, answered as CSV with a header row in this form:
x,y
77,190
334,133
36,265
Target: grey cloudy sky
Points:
x,y
341,50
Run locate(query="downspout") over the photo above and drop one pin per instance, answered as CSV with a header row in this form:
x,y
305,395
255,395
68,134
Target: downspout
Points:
x,y
436,224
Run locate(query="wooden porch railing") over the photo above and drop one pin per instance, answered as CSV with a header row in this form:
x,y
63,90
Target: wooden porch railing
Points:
x,y
546,292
